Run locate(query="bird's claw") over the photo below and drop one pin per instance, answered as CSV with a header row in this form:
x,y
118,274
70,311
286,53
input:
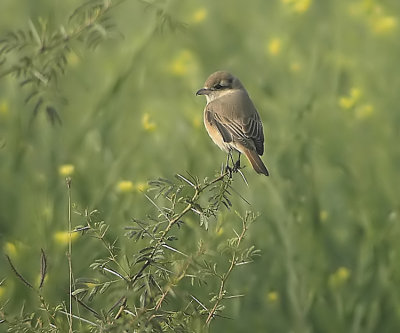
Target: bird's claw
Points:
x,y
237,166
230,170
234,169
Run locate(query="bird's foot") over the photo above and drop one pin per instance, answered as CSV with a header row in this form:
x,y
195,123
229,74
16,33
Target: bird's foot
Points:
x,y
236,166
229,170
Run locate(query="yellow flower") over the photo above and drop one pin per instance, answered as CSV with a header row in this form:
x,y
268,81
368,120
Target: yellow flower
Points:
x,y
301,6
142,186
183,63
148,125
199,15
274,46
364,111
62,237
355,94
298,6
3,108
197,121
273,297
10,249
340,277
66,169
346,103
125,186
374,15
343,273
295,67
383,24
72,59
323,215
351,102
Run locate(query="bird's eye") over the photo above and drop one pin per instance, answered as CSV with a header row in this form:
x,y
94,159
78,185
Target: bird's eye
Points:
x,y
223,84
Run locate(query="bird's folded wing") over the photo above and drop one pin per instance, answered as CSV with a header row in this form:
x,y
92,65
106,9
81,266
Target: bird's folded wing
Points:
x,y
246,132
252,127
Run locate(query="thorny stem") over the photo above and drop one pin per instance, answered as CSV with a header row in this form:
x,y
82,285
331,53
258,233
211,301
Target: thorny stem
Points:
x,y
225,276
75,34
47,309
171,285
198,190
108,246
68,181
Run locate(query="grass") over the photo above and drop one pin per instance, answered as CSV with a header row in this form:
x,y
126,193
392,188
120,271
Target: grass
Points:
x,y
324,78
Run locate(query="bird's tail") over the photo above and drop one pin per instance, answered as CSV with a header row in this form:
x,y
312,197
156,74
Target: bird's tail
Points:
x,y
256,162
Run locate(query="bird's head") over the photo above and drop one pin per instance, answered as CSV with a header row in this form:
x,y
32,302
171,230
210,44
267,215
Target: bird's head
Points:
x,y
219,84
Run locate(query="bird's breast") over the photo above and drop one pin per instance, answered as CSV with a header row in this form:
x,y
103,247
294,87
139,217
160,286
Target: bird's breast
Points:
x,y
213,132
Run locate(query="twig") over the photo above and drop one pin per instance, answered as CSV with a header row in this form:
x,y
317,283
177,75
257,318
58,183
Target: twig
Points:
x,y
198,190
19,275
68,182
81,319
171,285
225,276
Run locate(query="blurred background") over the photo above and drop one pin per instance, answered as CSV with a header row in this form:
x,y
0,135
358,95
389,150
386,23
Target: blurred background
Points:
x,y
325,78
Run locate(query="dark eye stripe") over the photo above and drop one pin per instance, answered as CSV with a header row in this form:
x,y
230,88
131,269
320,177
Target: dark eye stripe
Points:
x,y
220,87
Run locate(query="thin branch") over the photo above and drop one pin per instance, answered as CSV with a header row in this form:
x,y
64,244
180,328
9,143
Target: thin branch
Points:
x,y
81,319
185,180
43,268
175,282
69,254
17,273
224,277
195,197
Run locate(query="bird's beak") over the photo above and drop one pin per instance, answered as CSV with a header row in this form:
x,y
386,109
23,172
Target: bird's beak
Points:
x,y
203,91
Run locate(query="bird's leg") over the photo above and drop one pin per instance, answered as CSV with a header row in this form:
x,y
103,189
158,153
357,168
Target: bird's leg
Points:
x,y
236,166
230,158
227,159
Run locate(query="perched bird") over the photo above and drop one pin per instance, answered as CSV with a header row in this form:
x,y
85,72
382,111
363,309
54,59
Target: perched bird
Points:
x,y
232,120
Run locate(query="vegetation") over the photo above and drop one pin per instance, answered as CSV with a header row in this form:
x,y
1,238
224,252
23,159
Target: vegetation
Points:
x,y
101,134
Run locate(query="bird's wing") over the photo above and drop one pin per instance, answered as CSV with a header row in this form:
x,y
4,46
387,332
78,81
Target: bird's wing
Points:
x,y
211,119
253,129
248,130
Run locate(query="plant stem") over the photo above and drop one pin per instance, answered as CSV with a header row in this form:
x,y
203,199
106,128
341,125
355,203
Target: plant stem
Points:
x,y
68,181
198,190
225,277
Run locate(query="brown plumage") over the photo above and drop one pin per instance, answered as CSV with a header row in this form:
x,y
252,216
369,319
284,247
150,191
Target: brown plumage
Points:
x,y
231,118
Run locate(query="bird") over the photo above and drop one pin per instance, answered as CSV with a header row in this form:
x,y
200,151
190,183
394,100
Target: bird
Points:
x,y
232,120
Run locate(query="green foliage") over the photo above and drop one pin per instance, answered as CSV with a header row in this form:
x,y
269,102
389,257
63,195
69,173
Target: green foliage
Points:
x,y
154,288
324,77
37,56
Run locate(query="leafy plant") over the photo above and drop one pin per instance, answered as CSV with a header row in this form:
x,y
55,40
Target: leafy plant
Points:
x,y
38,56
154,288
